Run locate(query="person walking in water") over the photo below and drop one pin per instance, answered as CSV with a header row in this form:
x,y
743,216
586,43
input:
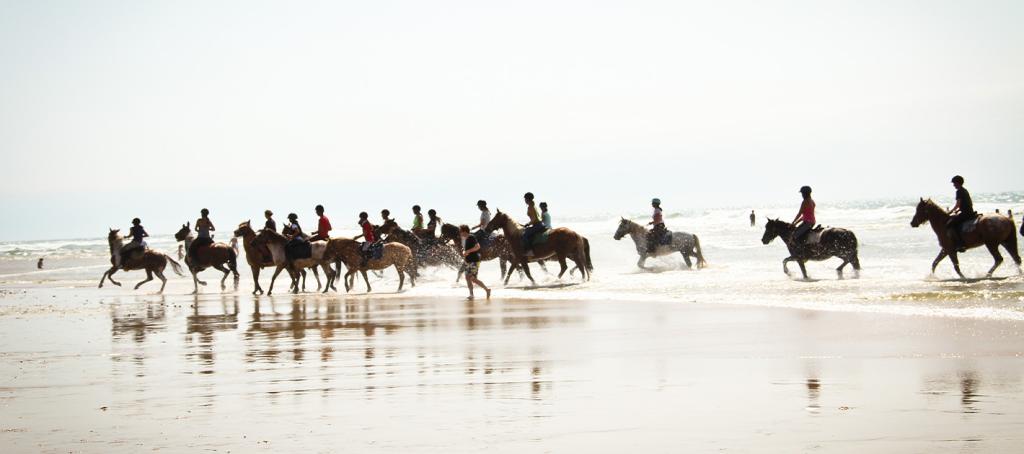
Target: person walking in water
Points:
x,y
658,226
753,218
962,212
270,224
471,255
367,236
805,217
203,228
323,227
545,217
533,227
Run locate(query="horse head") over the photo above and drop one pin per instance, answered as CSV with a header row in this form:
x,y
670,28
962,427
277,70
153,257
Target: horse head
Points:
x,y
244,228
183,233
113,235
500,220
449,232
624,227
774,228
924,209
388,227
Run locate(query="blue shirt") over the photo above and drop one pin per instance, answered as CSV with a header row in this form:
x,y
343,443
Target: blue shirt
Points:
x,y
546,219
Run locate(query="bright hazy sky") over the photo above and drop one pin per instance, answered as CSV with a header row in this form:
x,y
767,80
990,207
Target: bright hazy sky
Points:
x,y
110,110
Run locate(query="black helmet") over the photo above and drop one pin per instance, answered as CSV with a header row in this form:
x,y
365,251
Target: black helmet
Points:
x,y
319,208
415,207
528,196
136,221
543,204
204,212
481,203
385,212
958,179
363,215
431,212
293,216
805,190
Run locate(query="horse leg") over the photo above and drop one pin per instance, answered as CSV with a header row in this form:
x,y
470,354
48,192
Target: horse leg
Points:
x,y
109,275
526,269
220,267
561,263
195,281
149,277
367,280
1011,247
640,263
316,274
956,264
935,263
803,268
581,264
163,280
346,278
543,267
686,258
839,270
502,264
993,248
256,280
785,263
401,277
274,278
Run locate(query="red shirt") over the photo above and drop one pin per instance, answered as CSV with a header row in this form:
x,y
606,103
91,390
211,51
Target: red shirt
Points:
x,y
323,227
367,231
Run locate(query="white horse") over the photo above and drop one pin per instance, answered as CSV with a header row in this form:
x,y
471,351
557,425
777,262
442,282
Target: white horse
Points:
x,y
687,244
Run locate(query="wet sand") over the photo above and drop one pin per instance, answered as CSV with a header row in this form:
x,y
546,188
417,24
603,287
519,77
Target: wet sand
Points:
x,y
88,371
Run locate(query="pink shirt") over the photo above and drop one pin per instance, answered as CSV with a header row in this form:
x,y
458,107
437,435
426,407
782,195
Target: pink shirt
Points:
x,y
657,217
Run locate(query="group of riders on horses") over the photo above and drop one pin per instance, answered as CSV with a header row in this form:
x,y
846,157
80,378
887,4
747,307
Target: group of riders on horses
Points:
x,y
801,235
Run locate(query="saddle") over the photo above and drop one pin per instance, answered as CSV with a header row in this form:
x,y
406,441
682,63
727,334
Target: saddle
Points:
x,y
813,236
969,226
665,239
375,251
540,238
298,249
483,238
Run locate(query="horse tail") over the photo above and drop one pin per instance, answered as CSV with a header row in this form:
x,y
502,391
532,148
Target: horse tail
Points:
x,y
233,261
586,254
701,263
175,266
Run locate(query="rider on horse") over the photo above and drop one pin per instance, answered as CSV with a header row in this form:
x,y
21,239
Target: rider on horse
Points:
x,y
534,227
270,224
367,236
203,227
961,213
545,217
323,228
137,233
417,220
659,230
805,216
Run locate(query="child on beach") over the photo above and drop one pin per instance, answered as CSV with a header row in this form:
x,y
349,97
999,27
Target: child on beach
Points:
x,y
471,253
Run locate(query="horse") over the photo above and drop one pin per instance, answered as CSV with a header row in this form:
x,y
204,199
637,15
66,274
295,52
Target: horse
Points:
x,y
561,243
684,243
257,257
349,251
496,248
833,242
215,255
287,231
991,231
429,251
276,242
151,261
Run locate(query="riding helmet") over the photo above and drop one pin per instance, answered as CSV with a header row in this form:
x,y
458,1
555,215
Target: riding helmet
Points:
x,y
805,190
528,196
543,205
319,208
656,201
136,221
363,215
293,216
958,179
204,212
481,203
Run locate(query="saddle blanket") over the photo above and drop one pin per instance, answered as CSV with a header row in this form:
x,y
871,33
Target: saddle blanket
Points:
x,y
969,226
298,249
540,238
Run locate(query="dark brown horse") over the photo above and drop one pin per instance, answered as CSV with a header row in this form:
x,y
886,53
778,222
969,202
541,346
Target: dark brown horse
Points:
x,y
429,251
258,257
214,255
142,259
834,242
561,243
992,230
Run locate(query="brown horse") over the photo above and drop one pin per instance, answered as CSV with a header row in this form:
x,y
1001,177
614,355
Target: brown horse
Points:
x,y
429,251
276,242
992,230
258,257
348,251
561,243
143,259
215,255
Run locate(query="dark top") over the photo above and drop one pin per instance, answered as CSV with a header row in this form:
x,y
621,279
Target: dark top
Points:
x,y
137,232
964,197
270,225
470,244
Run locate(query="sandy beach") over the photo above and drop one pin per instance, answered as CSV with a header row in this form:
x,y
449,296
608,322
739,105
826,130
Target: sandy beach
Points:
x,y
88,371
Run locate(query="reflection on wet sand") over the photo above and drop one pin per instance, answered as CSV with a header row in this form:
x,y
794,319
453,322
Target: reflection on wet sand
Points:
x,y
201,328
